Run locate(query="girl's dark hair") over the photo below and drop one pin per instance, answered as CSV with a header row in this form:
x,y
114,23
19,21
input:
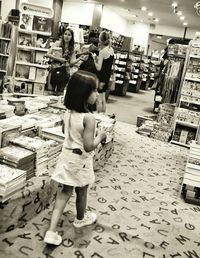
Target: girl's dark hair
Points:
x,y
104,38
67,54
79,88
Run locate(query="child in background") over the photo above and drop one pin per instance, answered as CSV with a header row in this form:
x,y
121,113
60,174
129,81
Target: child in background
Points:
x,y
75,164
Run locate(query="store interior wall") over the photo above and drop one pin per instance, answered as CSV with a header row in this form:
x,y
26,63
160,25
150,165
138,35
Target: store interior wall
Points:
x,y
82,13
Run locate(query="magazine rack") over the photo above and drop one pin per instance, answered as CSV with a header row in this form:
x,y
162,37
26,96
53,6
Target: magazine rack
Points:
x,y
31,65
186,128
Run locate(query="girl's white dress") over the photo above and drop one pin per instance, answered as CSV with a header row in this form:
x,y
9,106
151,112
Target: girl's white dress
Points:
x,y
72,168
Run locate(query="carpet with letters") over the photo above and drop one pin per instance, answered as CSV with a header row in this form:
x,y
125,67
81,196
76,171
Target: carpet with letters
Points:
x,y
137,199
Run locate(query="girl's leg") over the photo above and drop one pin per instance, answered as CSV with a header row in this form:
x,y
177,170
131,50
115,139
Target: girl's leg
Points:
x,y
83,218
103,102
61,201
81,201
99,103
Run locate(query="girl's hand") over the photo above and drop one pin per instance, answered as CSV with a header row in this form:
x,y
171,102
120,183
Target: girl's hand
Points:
x,y
83,57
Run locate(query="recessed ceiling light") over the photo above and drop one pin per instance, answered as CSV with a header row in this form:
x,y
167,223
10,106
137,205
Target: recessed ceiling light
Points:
x,y
185,24
156,20
150,14
182,18
174,4
143,8
179,13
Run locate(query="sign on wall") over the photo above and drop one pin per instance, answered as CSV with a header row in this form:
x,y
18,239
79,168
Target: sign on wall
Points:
x,y
35,10
197,7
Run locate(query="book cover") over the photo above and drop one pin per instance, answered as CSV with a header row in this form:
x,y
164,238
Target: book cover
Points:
x,y
20,87
26,21
38,88
22,71
24,56
42,41
24,40
41,75
42,24
39,57
56,51
32,72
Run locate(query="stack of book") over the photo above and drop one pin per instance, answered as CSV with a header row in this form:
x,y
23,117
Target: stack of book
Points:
x,y
12,180
32,106
22,121
191,179
162,130
53,133
53,153
20,158
8,132
7,110
2,114
40,147
19,106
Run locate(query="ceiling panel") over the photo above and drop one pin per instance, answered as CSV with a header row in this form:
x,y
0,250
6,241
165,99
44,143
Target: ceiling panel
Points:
x,y
161,9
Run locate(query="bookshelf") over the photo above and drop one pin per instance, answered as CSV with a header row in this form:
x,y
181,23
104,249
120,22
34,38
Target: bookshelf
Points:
x,y
31,65
135,60
121,72
187,117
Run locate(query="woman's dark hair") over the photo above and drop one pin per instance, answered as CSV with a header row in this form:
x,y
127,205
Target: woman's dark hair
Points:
x,y
104,37
79,88
70,49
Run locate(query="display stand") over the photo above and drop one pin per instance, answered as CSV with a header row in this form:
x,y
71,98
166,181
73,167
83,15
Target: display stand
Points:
x,y
135,58
121,73
169,80
186,128
34,30
7,43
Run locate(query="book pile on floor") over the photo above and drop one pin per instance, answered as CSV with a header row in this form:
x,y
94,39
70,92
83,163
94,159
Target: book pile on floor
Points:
x,y
20,158
162,130
191,179
40,147
53,153
11,181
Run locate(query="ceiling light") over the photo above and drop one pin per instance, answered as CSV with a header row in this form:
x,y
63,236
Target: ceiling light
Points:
x,y
156,20
182,18
185,24
122,0
174,4
143,8
150,14
179,13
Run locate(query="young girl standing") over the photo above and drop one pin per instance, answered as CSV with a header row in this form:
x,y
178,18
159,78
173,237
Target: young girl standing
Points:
x,y
75,164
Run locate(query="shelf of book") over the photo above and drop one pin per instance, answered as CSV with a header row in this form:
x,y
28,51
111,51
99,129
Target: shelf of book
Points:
x,y
35,32
179,143
188,110
184,123
32,48
32,64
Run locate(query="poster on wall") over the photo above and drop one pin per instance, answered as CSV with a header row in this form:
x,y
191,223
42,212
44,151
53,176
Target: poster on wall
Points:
x,y
35,18
42,24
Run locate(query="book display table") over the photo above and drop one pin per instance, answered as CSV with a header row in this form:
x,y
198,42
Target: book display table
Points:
x,y
38,144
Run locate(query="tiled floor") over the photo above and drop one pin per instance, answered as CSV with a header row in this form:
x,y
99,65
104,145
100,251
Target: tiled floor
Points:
x,y
128,107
